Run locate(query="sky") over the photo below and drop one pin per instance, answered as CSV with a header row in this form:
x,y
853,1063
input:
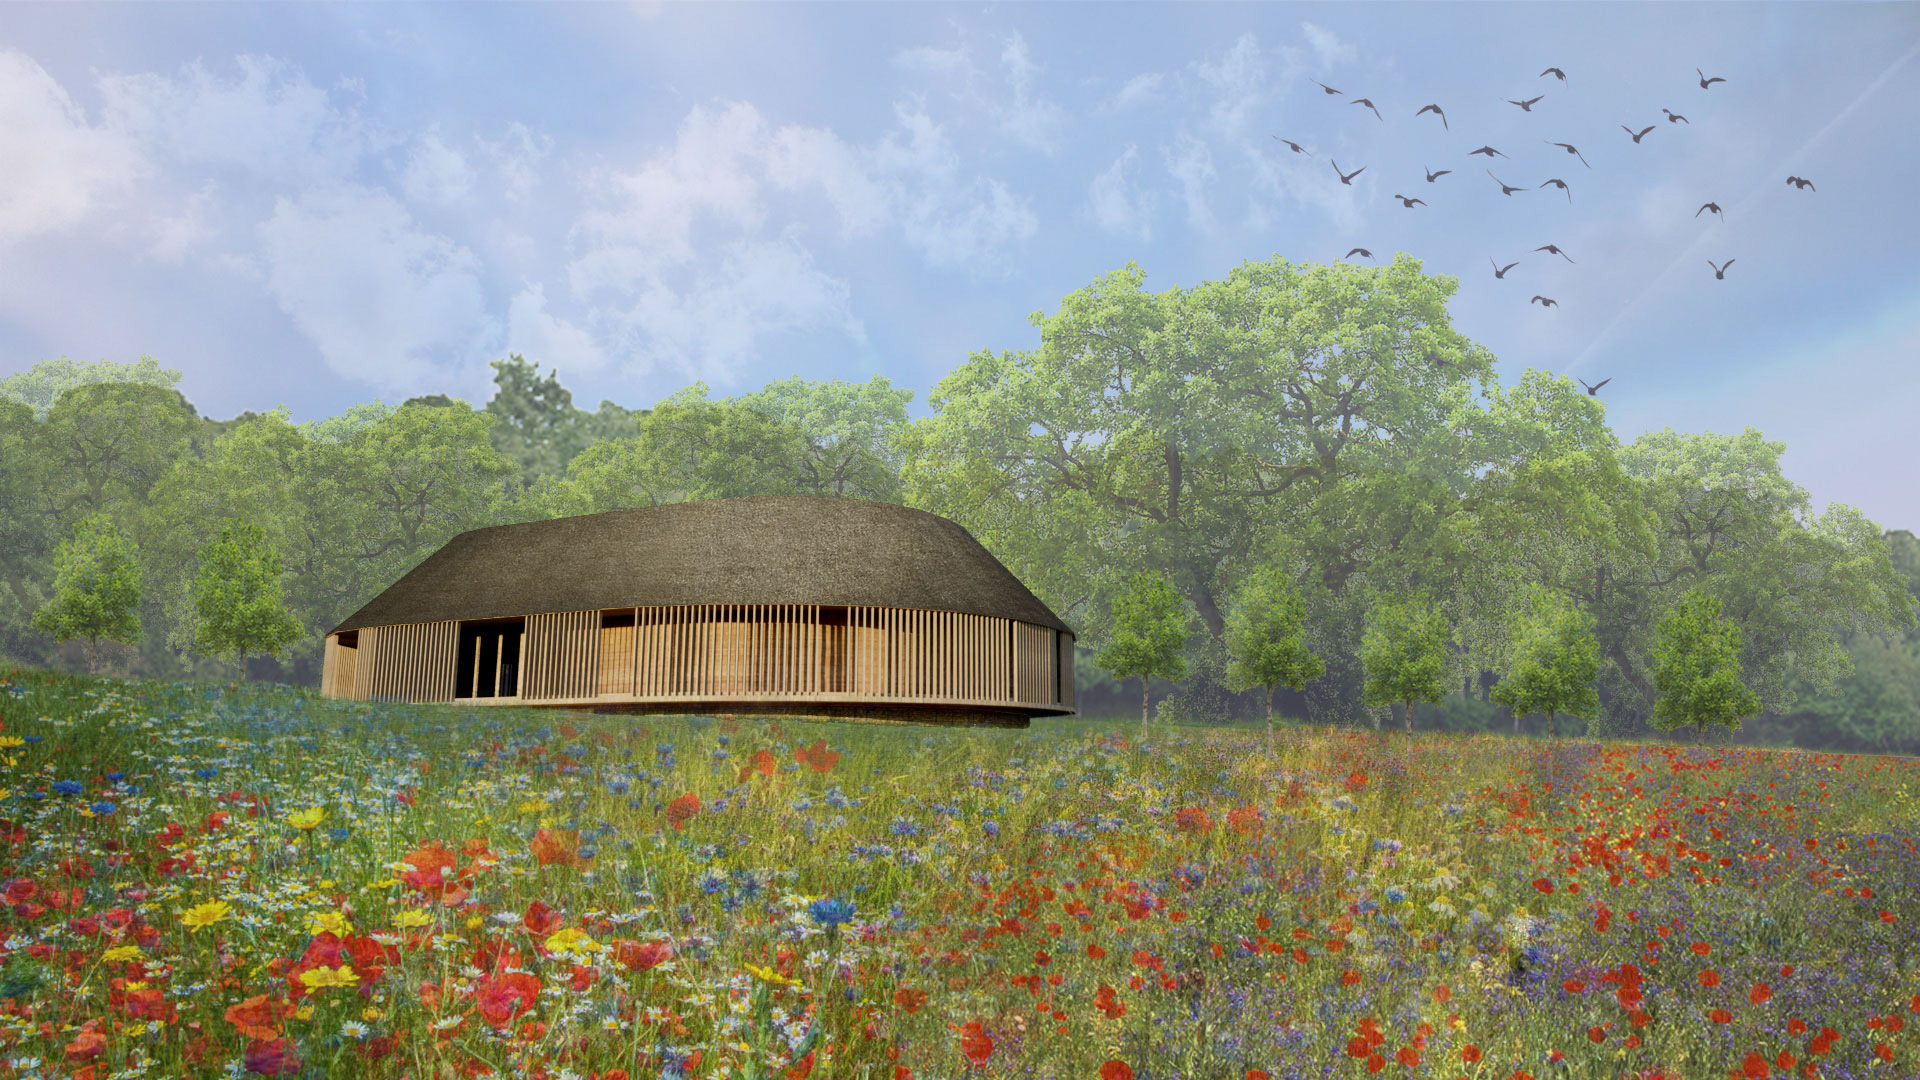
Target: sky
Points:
x,y
319,205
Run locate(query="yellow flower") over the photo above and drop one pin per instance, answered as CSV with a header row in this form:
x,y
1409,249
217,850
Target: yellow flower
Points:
x,y
307,819
570,940
11,741
207,914
474,921
329,922
411,918
532,806
369,1013
123,954
768,975
388,883
316,978
304,1012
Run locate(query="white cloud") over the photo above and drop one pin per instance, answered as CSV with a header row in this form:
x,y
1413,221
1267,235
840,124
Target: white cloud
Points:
x,y
1017,111
269,121
1327,47
926,58
1118,205
517,156
1191,163
1139,90
798,157
436,173
58,168
176,236
1239,79
1029,119
374,293
534,333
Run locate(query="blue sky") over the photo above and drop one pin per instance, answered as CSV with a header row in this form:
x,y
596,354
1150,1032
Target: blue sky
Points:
x,y
321,205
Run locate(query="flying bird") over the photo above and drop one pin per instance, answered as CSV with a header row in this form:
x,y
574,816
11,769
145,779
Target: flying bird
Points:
x,y
1435,109
1408,203
1501,271
1544,302
1562,185
1323,86
1487,150
1505,189
1720,272
1432,176
1294,145
1800,183
1569,148
1551,250
1555,72
1636,138
1358,251
1704,207
1527,105
1706,82
1674,116
1368,104
1594,388
1346,178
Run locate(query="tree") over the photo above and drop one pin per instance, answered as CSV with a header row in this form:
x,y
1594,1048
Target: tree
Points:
x,y
41,386
536,426
96,588
1150,630
1266,641
108,444
1404,652
237,595
1555,663
1696,668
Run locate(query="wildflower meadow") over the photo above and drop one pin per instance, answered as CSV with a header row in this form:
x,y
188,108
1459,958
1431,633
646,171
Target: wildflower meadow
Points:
x,y
219,880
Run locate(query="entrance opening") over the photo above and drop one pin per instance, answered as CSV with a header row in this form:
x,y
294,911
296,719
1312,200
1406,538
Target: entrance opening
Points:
x,y
489,659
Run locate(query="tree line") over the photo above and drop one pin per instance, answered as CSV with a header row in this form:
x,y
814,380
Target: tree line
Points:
x,y
1313,433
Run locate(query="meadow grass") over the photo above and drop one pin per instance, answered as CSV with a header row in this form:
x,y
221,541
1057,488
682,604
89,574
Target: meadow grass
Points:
x,y
235,879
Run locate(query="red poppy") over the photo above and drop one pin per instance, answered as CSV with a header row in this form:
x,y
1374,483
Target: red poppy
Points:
x,y
271,1057
1470,1054
1543,884
817,757
432,869
763,763
975,1044
1257,1074
540,920
682,809
910,998
1442,993
1709,978
1597,1034
1755,1066
1116,1070
641,955
259,1016
88,1045
1720,1016
1359,1047
505,997
1407,1055
1192,819
1702,948
1760,993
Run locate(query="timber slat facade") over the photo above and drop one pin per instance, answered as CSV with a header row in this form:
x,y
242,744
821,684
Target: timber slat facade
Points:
x,y
876,659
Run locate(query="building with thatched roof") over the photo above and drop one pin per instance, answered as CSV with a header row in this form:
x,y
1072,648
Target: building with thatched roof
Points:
x,y
772,605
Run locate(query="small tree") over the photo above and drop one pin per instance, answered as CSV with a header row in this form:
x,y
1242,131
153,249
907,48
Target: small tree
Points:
x,y
1404,653
96,588
1555,662
1149,634
1265,639
1696,669
237,595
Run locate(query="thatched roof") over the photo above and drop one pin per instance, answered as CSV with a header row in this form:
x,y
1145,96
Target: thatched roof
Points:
x,y
759,550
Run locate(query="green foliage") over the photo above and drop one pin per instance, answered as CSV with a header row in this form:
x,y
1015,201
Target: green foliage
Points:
x,y
1149,634
108,444
96,587
535,425
1555,663
1265,638
1697,668
1404,652
41,386
237,595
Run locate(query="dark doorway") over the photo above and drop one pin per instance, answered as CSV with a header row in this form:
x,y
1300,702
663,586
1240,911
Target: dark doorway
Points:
x,y
489,659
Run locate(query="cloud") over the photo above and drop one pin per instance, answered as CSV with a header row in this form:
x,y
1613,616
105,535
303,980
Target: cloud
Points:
x,y
1139,90
1239,79
1327,47
269,121
176,236
58,167
1191,163
375,294
546,340
1118,205
802,157
1030,120
1017,111
436,173
517,156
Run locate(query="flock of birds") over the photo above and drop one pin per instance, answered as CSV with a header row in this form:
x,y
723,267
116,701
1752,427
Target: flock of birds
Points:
x,y
1526,105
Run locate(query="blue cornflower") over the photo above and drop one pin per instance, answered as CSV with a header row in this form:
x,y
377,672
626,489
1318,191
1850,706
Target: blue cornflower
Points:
x,y
339,832
990,827
1395,894
116,776
205,774
831,911
67,787
712,882
903,827
103,808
